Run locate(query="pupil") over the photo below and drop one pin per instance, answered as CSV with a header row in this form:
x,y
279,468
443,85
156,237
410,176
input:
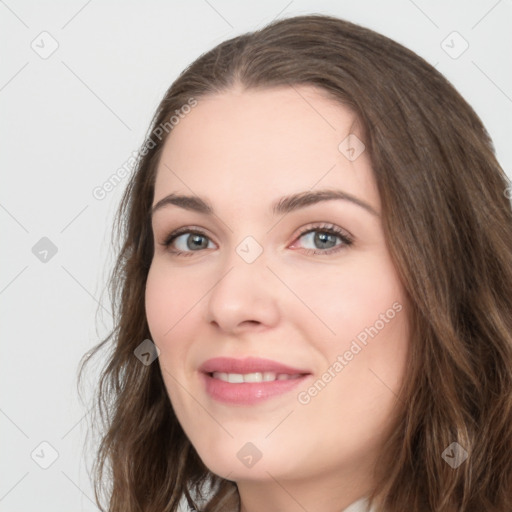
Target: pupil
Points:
x,y
322,238
195,238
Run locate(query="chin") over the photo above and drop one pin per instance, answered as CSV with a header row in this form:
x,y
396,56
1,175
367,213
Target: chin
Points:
x,y
247,461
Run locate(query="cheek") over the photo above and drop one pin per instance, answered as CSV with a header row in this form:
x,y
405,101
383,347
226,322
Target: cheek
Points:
x,y
166,312
166,305
348,300
157,302
355,398
166,302
363,310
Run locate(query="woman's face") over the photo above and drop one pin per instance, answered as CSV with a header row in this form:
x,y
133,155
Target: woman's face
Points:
x,y
281,285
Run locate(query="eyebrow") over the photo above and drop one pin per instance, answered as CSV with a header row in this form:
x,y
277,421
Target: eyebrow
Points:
x,y
282,206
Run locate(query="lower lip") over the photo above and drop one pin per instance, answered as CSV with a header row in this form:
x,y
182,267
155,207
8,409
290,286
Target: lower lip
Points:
x,y
248,393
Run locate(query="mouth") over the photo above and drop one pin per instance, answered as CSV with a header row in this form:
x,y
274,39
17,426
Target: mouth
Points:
x,y
239,378
249,381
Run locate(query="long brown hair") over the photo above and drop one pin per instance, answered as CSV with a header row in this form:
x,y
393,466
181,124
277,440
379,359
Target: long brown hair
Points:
x,y
448,225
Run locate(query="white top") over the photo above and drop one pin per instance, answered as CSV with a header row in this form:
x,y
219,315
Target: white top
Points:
x,y
360,505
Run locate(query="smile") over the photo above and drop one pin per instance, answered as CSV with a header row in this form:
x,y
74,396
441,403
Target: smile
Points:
x,y
236,378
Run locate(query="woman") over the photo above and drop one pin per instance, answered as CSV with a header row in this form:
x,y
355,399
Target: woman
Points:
x,y
313,290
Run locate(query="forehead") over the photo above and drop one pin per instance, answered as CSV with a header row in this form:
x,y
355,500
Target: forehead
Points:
x,y
252,143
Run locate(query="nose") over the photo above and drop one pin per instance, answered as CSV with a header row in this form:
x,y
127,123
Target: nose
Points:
x,y
244,297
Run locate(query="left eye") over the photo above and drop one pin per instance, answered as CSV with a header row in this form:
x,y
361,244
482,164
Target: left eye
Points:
x,y
324,236
321,238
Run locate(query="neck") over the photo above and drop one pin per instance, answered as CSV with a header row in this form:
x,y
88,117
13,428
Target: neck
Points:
x,y
329,492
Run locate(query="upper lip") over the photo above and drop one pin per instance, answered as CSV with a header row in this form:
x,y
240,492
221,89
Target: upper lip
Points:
x,y
248,365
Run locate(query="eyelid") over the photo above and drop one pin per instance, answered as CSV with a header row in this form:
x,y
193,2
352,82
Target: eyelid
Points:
x,y
320,226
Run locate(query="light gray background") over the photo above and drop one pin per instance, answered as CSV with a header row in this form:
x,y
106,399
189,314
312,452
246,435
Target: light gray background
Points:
x,y
70,120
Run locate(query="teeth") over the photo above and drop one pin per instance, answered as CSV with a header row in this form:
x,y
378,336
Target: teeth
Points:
x,y
236,378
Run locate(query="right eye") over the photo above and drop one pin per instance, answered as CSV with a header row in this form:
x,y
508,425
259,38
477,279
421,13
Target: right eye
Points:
x,y
186,240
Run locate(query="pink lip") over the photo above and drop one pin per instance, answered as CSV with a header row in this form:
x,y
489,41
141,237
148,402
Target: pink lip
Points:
x,y
248,393
247,365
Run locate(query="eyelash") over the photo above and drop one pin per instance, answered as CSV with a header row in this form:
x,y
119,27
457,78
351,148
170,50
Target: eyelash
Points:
x,y
329,229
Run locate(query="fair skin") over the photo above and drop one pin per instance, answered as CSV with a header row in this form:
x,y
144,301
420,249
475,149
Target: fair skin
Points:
x,y
242,151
